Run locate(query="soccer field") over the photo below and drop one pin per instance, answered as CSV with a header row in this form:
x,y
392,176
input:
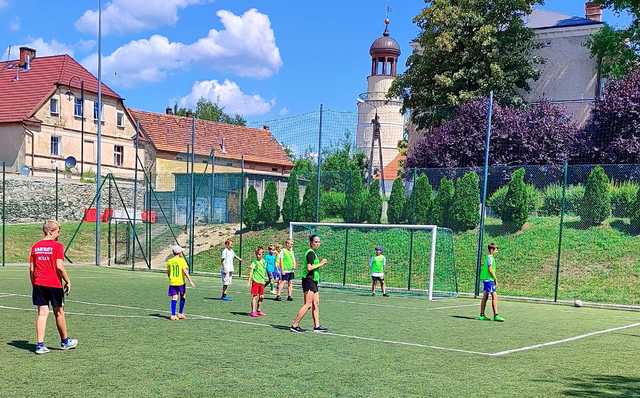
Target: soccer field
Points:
x,y
396,346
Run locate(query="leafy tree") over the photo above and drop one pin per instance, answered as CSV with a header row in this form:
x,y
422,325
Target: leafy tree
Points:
x,y
337,163
465,211
537,134
443,203
516,208
291,203
354,192
422,200
309,201
270,211
596,203
396,202
251,208
207,110
304,167
373,208
466,49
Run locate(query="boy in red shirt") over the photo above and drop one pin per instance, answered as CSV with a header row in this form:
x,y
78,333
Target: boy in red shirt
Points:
x,y
46,271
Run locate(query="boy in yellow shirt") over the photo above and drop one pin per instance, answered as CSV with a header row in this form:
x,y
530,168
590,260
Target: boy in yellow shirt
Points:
x,y
177,270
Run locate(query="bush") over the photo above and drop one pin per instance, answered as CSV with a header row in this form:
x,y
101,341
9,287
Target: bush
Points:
x,y
534,200
291,203
332,204
596,202
465,211
396,202
423,210
251,208
373,208
443,202
308,206
354,198
623,198
635,213
270,211
516,210
552,199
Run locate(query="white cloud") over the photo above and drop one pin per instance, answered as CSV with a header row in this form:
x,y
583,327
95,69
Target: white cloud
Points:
x,y
228,95
44,48
14,24
4,3
284,111
246,46
126,16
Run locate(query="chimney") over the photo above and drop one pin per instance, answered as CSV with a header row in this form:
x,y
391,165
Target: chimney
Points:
x,y
593,11
169,110
26,56
265,127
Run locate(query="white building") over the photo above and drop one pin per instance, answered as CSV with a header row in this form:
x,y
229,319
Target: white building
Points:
x,y
384,52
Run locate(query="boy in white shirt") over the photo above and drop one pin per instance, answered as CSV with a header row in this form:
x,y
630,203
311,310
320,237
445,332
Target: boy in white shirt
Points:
x,y
226,270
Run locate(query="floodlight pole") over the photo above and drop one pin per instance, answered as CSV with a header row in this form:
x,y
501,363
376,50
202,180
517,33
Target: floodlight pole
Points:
x,y
317,214
192,210
98,133
483,206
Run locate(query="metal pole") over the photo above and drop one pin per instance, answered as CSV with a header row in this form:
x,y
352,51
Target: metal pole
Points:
x,y
109,227
241,213
135,192
99,133
483,208
410,258
317,213
56,193
149,222
344,267
211,157
4,214
432,261
193,192
82,129
562,209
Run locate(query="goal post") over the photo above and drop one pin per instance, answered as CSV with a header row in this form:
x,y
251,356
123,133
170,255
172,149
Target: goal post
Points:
x,y
419,257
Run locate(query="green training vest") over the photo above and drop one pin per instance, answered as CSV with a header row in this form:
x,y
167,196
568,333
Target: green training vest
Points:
x,y
377,264
315,274
287,260
484,272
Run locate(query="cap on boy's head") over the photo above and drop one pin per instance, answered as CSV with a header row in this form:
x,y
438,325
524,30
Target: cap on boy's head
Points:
x,y
177,249
379,249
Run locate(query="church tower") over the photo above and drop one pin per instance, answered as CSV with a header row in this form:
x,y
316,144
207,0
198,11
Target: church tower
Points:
x,y
384,52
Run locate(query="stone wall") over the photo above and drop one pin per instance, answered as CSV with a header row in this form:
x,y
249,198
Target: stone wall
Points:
x,y
33,199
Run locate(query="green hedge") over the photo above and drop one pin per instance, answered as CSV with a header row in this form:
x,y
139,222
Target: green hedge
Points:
x,y
623,197
534,200
332,204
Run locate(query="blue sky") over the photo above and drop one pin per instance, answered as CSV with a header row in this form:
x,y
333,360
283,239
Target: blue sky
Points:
x,y
264,58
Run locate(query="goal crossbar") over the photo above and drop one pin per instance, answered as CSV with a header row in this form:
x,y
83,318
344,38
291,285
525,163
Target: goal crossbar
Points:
x,y
432,228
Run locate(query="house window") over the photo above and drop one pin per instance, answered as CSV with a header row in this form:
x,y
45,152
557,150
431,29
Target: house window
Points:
x,y
77,107
53,106
120,119
118,155
95,111
56,145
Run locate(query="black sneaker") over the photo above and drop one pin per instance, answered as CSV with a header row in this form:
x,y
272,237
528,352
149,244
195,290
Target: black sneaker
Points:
x,y
277,298
289,298
320,329
296,329
373,294
386,295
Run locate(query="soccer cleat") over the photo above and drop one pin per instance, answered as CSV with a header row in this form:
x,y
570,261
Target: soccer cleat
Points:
x,y
69,344
483,318
373,294
173,318
226,298
273,292
277,298
498,318
182,316
260,313
253,314
41,349
320,329
296,329
289,298
386,295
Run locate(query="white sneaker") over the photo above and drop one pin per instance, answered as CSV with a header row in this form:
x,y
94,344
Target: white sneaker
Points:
x,y
41,349
70,344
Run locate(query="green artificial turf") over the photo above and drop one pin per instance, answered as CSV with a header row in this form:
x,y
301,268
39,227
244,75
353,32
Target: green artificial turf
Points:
x,y
396,346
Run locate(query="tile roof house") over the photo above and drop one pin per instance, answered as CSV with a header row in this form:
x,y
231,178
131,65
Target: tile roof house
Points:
x,y
43,119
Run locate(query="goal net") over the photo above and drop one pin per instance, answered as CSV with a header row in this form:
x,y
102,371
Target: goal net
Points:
x,y
419,258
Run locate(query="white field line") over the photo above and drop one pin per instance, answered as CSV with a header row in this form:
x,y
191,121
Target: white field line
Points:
x,y
3,295
556,342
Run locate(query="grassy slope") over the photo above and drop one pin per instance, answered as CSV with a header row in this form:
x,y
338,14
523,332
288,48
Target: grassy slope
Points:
x,y
598,264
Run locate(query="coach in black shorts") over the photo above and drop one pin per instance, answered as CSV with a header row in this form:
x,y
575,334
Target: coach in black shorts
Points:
x,y
310,280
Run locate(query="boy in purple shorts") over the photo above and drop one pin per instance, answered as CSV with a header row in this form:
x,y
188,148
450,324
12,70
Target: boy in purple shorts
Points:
x,y
177,270
489,285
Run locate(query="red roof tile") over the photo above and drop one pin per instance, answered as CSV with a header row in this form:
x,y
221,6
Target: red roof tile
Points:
x,y
391,170
20,98
172,133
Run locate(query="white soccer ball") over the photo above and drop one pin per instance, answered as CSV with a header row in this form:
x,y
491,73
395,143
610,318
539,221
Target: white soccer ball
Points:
x,y
577,303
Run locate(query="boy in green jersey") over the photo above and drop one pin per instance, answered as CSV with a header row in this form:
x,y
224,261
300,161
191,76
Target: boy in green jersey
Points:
x,y
287,264
490,283
376,265
257,280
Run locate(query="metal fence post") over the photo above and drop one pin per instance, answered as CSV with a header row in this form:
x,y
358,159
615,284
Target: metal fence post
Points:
x,y
135,192
562,210
410,259
4,214
57,193
483,204
241,212
192,210
317,213
346,248
109,226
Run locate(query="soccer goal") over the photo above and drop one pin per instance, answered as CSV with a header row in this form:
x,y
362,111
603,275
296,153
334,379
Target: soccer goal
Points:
x,y
419,258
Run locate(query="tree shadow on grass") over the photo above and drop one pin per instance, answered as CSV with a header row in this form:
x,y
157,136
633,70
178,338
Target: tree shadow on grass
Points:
x,y
602,386
280,327
625,228
578,224
498,230
22,344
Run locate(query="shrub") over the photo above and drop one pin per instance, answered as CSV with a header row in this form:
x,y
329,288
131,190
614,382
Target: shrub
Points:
x,y
443,202
308,206
596,202
291,203
534,200
516,210
270,211
423,204
332,204
373,208
251,208
635,212
465,211
354,198
623,198
396,202
552,199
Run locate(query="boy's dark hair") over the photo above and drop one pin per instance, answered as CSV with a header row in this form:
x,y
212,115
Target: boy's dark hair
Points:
x,y
312,237
258,249
492,247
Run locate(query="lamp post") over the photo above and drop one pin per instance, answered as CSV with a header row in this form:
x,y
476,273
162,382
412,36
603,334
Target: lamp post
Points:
x,y
69,95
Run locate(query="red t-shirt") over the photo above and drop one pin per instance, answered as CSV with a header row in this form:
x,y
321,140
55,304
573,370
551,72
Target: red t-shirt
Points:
x,y
44,256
